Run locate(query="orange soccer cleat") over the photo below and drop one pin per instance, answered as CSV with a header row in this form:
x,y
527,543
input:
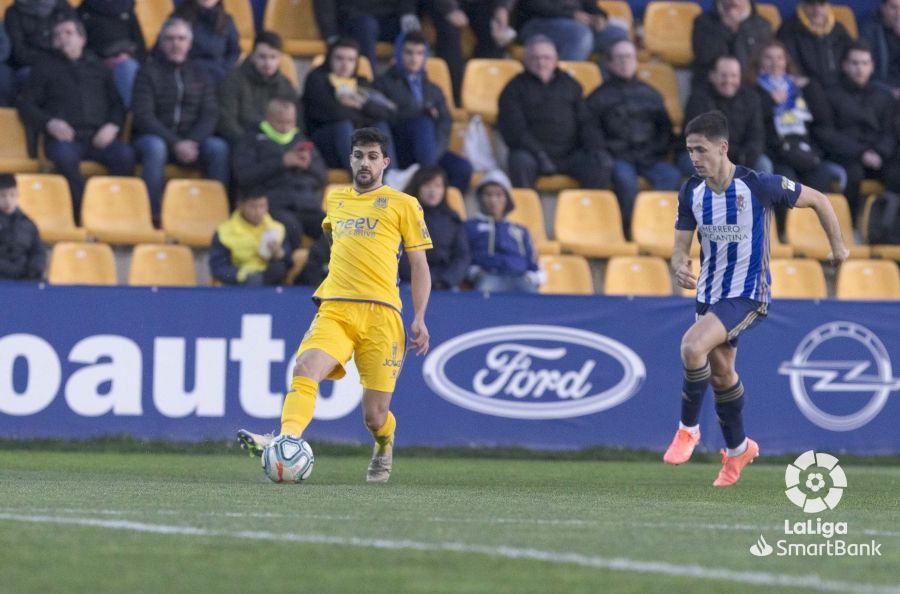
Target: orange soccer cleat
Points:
x,y
682,447
732,467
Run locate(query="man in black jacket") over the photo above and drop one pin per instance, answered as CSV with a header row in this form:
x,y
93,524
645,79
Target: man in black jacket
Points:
x,y
29,24
547,126
22,254
278,161
175,113
633,119
71,98
732,28
816,41
421,122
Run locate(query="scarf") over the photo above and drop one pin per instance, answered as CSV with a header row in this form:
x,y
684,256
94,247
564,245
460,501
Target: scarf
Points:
x,y
792,114
815,30
281,138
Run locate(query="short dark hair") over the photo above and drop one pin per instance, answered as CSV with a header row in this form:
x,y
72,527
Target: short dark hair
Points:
x,y
367,136
79,26
415,38
270,38
251,193
712,124
859,45
347,42
7,181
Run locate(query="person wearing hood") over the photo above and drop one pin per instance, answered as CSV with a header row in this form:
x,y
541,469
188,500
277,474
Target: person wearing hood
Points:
x,y
217,44
115,36
816,41
175,113
29,24
732,28
245,92
503,254
421,122
71,99
449,257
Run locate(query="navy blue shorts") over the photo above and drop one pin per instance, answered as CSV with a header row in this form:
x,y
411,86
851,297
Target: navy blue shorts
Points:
x,y
737,314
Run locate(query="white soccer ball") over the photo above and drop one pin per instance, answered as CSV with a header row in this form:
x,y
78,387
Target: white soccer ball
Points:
x,y
288,459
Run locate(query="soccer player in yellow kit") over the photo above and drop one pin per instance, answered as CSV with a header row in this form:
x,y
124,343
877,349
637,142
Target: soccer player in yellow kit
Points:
x,y
359,302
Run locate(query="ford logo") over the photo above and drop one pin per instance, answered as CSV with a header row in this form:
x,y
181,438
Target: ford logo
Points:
x,y
529,371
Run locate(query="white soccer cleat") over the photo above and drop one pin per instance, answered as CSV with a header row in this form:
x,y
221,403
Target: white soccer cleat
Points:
x,y
380,465
254,443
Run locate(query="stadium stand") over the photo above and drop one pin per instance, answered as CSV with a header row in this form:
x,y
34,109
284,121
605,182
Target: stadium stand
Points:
x,y
653,224
456,201
566,275
78,263
806,237
621,10
483,81
667,31
662,77
637,275
117,210
151,15
845,16
14,148
868,280
586,73
295,22
192,209
798,278
45,198
588,223
242,13
529,213
155,265
888,251
770,13
363,66
439,74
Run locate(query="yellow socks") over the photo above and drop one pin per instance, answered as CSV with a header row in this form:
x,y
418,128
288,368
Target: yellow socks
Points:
x,y
299,405
384,436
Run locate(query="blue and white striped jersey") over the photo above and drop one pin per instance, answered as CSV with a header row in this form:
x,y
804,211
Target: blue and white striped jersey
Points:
x,y
733,229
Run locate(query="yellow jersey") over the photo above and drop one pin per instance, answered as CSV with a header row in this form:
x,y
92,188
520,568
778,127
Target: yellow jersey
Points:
x,y
369,231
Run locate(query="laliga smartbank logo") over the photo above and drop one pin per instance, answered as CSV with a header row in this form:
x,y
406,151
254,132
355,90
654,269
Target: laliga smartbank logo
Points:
x,y
815,483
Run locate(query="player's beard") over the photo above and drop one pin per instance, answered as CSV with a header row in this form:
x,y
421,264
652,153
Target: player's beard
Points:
x,y
360,183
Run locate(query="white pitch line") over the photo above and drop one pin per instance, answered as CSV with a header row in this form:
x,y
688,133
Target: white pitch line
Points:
x,y
758,578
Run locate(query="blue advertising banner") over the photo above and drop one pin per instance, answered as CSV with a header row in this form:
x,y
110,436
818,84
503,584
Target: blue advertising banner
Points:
x,y
535,371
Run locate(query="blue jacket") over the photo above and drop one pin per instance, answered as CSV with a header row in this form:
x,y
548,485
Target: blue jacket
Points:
x,y
500,247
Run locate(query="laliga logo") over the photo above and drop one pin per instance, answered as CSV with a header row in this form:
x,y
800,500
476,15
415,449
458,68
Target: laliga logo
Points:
x,y
810,495
507,371
840,376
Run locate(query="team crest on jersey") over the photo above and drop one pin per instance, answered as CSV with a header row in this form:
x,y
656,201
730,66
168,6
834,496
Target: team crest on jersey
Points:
x,y
787,184
381,202
739,203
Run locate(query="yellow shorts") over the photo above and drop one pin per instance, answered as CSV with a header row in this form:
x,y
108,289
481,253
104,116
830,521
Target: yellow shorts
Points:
x,y
373,333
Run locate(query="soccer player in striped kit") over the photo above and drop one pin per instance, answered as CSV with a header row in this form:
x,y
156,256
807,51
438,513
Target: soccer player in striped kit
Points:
x,y
730,206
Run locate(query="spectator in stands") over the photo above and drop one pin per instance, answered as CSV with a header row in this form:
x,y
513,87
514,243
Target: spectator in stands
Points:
x,y
175,113
22,254
576,27
489,20
861,134
71,98
740,104
114,35
29,24
336,101
449,259
730,28
633,120
279,161
547,126
250,248
217,45
503,254
421,121
246,91
366,21
816,41
7,77
883,35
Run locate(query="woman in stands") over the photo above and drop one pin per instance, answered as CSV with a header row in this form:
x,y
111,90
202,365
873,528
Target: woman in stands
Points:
x,y
216,40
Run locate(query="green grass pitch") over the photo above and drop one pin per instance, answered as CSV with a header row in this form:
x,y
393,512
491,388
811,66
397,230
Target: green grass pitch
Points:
x,y
117,522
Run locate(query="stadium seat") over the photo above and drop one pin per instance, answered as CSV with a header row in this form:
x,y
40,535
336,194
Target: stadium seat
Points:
x,y
151,15
638,275
46,200
338,176
456,201
845,16
662,78
868,279
797,278
771,13
299,257
242,13
588,223
14,148
295,21
457,138
888,251
192,209
363,66
668,27
807,237
439,74
776,248
653,224
566,275
117,210
157,265
483,81
619,10
289,69
586,73
555,183
77,263
529,213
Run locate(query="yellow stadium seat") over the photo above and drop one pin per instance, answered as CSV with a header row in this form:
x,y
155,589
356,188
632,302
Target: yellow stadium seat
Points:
x,y
338,176
668,27
844,15
555,183
76,263
588,223
439,74
888,251
662,77
192,209
242,13
289,70
638,275
299,257
457,137
456,201
695,267
363,66
776,248
117,210
151,15
295,21
567,275
807,237
483,81
797,278
653,224
14,148
771,13
868,279
158,265
46,200
586,73
4,4
528,212
619,10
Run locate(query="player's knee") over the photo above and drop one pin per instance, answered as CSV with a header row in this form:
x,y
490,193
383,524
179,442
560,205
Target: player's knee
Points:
x,y
723,381
374,419
692,350
311,368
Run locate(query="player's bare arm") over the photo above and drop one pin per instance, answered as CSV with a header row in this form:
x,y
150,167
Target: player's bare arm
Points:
x,y
421,290
810,198
681,260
